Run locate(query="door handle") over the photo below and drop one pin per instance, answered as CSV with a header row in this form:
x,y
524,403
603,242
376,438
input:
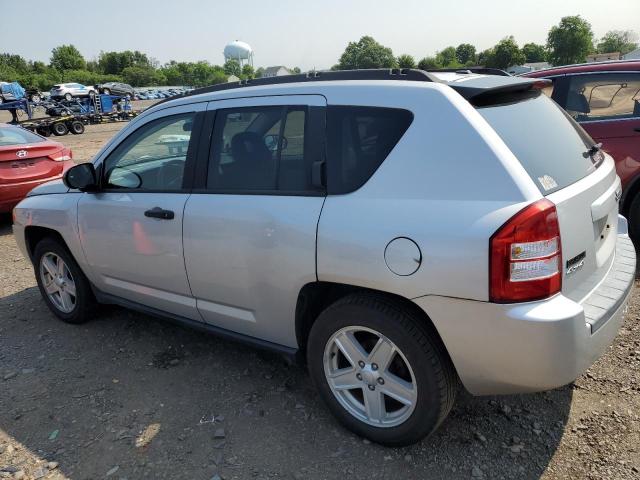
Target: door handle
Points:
x,y
161,213
637,129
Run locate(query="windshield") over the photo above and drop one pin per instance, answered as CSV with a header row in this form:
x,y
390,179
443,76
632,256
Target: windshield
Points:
x,y
552,148
17,136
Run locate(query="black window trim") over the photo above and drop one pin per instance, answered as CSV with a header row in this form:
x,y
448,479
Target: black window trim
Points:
x,y
190,162
314,143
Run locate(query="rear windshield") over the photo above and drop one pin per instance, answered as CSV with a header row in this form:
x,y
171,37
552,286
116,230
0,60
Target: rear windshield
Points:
x,y
17,136
551,147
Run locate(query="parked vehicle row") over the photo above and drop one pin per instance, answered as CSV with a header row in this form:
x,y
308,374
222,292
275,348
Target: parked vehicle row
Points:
x,y
403,232
153,94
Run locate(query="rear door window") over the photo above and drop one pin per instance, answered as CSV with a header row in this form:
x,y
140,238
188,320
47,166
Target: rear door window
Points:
x,y
551,147
358,141
260,149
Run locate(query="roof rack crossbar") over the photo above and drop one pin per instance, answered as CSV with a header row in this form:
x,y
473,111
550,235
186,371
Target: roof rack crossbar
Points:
x,y
407,74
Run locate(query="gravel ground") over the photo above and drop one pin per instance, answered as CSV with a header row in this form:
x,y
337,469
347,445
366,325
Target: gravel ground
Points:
x,y
127,396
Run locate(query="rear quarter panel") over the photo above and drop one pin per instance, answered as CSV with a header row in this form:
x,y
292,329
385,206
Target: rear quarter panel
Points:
x,y
448,185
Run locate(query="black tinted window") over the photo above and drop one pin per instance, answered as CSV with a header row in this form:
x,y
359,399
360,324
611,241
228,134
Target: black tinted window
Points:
x,y
358,141
259,149
548,143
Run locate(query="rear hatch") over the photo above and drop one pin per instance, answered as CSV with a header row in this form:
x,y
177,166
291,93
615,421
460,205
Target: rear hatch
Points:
x,y
577,177
26,157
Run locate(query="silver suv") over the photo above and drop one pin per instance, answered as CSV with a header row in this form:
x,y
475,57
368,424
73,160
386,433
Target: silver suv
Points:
x,y
404,230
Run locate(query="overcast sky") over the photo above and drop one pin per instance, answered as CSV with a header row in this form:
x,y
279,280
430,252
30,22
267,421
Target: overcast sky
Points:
x,y
304,33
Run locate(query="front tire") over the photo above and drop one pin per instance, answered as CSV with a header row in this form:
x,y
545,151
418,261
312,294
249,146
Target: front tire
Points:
x,y
380,370
63,286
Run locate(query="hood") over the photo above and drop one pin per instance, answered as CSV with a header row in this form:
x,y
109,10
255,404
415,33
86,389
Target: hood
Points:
x,y
56,186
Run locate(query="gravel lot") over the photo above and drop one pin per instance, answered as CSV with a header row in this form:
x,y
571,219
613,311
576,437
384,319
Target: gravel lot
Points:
x,y
130,396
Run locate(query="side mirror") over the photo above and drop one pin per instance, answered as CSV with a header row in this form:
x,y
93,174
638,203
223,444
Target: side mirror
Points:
x,y
273,141
81,177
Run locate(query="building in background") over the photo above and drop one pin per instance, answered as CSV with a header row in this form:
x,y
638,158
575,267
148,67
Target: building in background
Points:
x,y
602,57
276,71
634,55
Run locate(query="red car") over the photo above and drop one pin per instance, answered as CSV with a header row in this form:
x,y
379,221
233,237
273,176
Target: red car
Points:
x,y
605,99
26,161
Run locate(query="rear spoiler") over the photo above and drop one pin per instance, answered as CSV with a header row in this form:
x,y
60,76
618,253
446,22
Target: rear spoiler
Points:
x,y
476,88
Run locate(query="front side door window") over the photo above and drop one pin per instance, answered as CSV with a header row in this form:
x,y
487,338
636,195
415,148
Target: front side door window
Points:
x,y
153,158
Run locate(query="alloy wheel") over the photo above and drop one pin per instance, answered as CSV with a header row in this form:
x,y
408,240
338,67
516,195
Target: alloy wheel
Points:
x,y
58,282
370,376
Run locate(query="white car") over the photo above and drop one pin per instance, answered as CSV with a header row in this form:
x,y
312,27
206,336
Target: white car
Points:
x,y
71,90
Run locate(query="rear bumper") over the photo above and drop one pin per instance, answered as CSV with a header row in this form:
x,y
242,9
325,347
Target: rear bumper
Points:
x,y
11,194
527,347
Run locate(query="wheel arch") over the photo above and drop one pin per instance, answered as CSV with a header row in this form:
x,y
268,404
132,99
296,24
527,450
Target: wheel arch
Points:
x,y
314,297
35,234
628,195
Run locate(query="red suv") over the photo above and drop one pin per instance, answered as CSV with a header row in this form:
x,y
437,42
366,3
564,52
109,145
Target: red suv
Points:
x,y
605,99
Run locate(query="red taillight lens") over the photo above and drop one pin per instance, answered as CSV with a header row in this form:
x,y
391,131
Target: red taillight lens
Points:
x,y
526,256
62,156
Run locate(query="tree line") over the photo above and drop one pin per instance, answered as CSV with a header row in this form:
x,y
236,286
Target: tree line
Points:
x,y
571,41
568,42
133,67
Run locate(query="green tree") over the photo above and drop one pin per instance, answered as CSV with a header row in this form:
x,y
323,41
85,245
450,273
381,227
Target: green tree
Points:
x,y
623,41
534,52
484,56
16,62
232,67
465,53
296,70
406,61
143,76
505,54
247,71
116,62
366,53
429,63
447,57
259,72
67,57
570,41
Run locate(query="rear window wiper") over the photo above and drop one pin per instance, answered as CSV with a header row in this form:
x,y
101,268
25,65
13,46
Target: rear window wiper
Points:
x,y
593,150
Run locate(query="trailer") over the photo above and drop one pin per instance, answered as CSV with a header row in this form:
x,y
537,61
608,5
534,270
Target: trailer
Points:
x,y
55,125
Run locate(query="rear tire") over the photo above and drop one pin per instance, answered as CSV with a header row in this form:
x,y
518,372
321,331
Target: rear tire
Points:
x,y
634,219
418,370
68,97
76,127
106,91
63,286
59,129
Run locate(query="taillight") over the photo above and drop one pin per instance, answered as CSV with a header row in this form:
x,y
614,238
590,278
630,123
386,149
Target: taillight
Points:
x,y
526,256
62,156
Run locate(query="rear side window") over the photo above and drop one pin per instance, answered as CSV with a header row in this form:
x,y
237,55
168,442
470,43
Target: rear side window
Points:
x,y
604,96
358,141
551,147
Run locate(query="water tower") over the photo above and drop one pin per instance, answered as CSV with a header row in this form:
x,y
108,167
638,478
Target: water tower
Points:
x,y
239,51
